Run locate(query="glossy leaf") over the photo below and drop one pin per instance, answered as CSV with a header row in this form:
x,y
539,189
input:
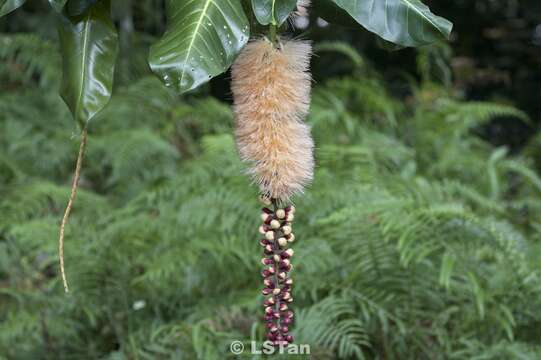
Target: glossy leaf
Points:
x,y
273,11
89,46
58,5
78,7
403,22
8,6
332,13
202,40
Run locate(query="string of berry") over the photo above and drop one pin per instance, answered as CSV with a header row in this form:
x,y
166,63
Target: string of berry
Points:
x,y
277,236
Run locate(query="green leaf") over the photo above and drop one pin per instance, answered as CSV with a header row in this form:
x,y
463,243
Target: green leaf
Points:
x,y
332,13
89,47
447,266
8,6
58,5
478,294
403,22
202,40
273,11
78,7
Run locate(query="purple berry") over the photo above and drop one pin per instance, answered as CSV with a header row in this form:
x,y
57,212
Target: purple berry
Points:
x,y
289,339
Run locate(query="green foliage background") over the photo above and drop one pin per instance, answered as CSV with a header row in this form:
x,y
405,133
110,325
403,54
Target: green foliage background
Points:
x,y
417,240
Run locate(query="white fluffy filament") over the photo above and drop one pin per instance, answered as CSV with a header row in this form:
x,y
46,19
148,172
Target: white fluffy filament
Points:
x,y
271,88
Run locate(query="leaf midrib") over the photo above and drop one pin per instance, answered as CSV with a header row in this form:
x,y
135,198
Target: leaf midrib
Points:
x,y
273,18
192,40
83,63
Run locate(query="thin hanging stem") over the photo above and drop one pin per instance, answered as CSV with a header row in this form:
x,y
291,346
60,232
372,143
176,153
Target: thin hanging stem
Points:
x,y
272,33
272,26
67,212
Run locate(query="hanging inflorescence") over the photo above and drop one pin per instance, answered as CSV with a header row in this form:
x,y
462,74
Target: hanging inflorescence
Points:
x,y
277,237
271,88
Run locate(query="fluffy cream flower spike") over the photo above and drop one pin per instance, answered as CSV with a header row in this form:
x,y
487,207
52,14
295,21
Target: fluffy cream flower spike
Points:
x,y
271,89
